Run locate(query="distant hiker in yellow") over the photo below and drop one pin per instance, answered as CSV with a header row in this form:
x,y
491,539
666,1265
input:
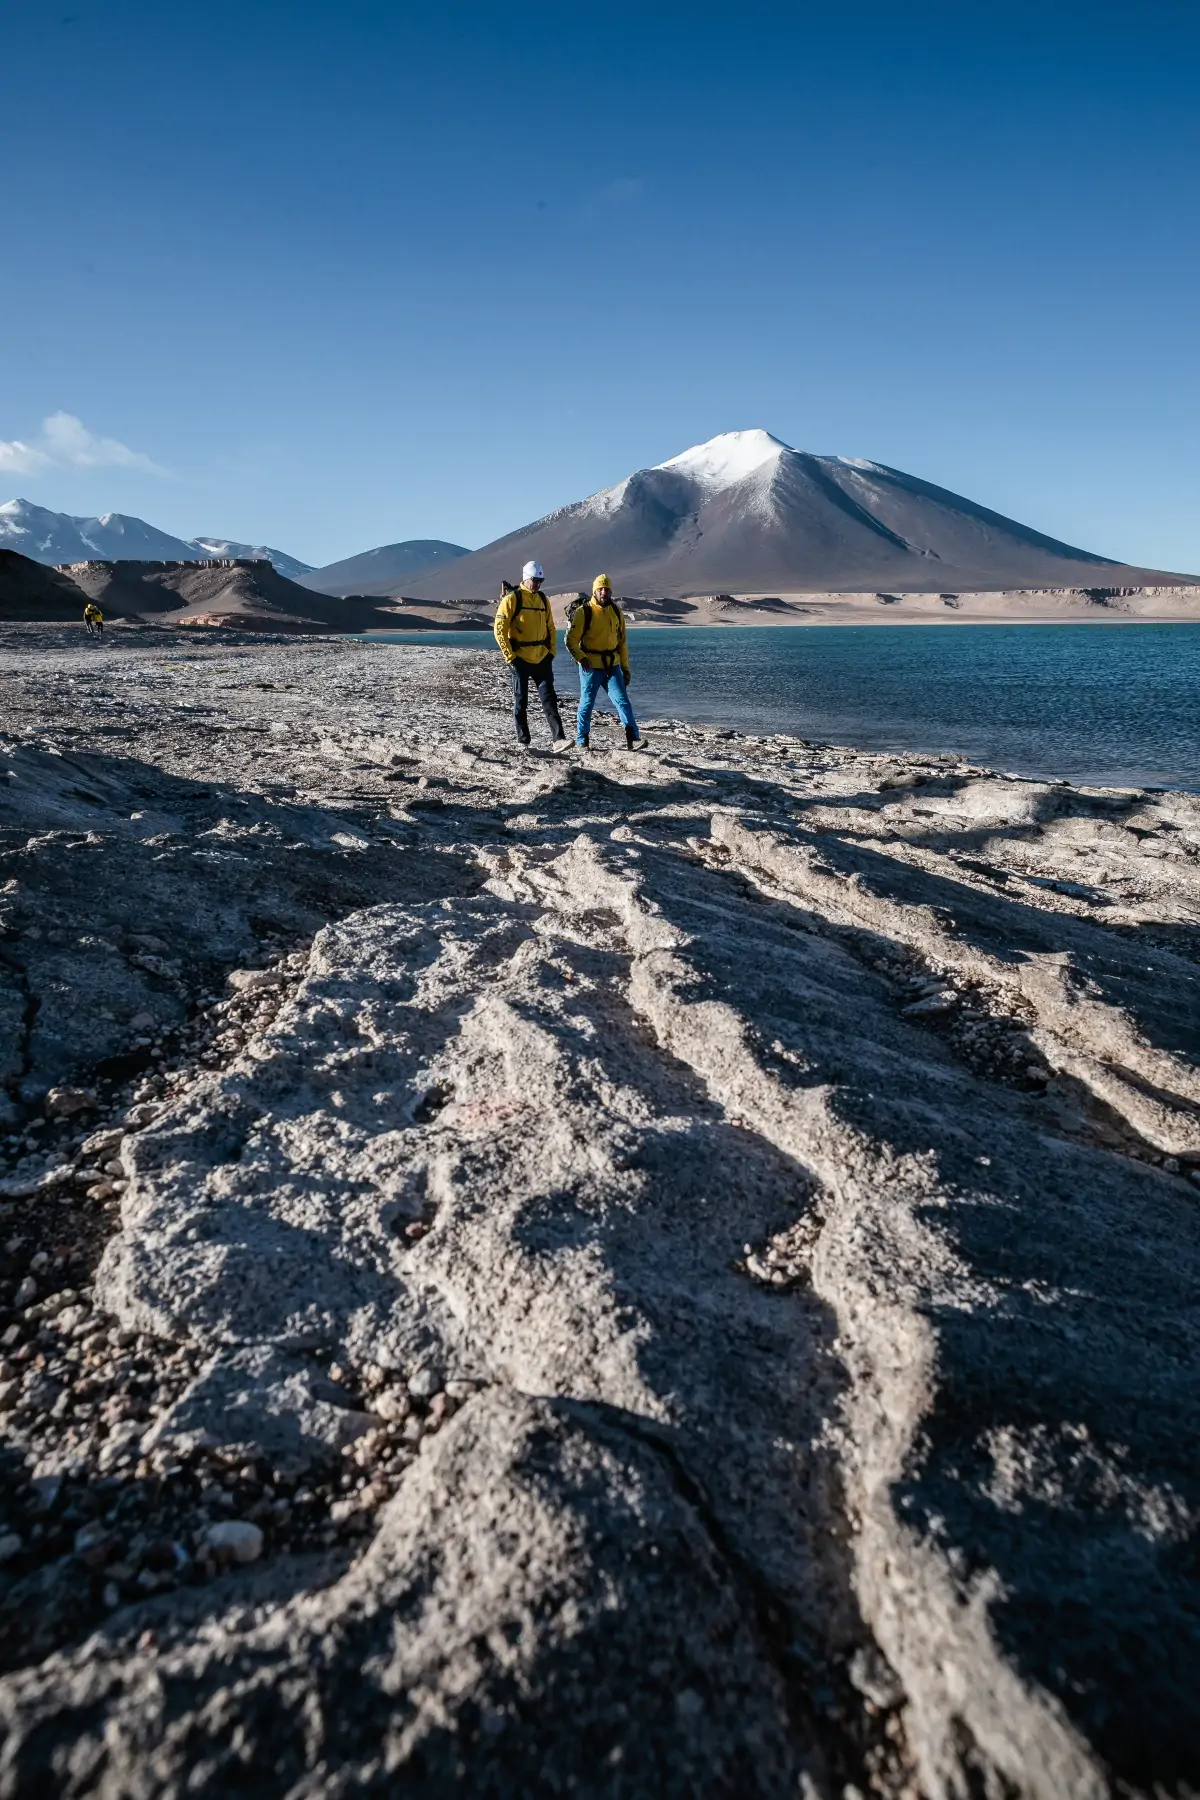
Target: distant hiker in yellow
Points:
x,y
599,645
524,630
93,618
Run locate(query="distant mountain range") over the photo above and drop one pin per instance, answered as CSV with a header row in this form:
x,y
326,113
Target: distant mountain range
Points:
x,y
744,513
54,537
382,572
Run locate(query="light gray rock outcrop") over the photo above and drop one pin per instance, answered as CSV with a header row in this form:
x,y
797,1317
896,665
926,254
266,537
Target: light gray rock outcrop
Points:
x,y
484,1643
826,1359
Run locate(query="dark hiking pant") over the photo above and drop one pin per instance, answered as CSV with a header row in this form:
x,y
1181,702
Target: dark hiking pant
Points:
x,y
542,675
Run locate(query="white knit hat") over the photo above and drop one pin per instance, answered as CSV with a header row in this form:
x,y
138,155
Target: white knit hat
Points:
x,y
532,572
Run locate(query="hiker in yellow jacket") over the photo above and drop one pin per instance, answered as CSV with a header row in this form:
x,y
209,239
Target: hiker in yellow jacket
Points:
x,y
598,642
524,630
93,618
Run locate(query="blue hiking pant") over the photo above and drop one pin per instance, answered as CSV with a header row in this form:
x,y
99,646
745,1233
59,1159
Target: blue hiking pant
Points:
x,y
613,683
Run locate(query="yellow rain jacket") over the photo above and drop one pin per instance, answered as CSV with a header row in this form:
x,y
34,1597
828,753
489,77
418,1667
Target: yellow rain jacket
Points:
x,y
524,627
597,636
92,611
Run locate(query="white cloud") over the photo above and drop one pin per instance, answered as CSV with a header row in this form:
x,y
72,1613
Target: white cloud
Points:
x,y
21,459
65,442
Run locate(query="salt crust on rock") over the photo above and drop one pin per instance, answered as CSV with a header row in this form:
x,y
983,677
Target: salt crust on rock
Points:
x,y
943,1457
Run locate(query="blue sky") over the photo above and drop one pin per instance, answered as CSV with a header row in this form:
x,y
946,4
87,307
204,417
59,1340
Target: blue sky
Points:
x,y
330,276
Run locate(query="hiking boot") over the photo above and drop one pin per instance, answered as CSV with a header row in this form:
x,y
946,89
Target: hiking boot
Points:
x,y
632,740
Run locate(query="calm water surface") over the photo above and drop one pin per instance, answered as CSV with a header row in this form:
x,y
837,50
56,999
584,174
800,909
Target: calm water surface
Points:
x,y
1116,704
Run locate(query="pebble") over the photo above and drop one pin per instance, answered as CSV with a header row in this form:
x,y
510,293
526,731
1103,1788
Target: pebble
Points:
x,y
392,1404
102,1143
46,1489
234,1540
26,1294
423,1384
90,1537
61,1102
935,1003
166,1557
10,1546
254,981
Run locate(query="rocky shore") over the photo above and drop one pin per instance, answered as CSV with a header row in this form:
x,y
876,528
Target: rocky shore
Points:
x,y
625,1275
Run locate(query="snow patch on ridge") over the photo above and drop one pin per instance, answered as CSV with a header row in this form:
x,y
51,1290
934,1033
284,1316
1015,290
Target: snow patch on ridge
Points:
x,y
601,504
726,459
606,501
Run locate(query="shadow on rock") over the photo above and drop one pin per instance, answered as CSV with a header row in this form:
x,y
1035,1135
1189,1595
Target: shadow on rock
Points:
x,y
131,891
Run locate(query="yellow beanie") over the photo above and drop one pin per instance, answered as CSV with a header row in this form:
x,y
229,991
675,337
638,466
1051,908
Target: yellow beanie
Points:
x,y
601,581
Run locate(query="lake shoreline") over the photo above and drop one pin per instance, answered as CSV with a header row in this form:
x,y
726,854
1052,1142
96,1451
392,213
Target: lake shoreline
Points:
x,y
1090,706
1160,604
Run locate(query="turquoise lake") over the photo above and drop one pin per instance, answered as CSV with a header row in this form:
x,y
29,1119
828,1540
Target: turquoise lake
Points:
x,y
1100,704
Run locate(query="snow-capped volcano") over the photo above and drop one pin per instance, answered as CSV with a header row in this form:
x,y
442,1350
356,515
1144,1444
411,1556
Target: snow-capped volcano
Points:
x,y
745,513
54,537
